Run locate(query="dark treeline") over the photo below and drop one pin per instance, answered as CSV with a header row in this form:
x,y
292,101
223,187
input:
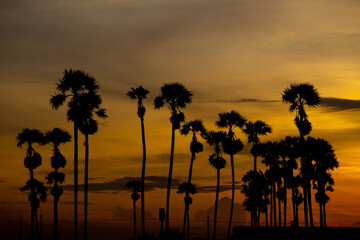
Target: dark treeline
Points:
x,y
293,166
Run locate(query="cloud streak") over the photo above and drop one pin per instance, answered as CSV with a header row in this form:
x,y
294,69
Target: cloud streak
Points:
x,y
339,104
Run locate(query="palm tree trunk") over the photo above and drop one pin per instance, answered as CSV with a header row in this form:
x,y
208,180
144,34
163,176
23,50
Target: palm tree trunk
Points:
x,y
309,202
134,209
279,205
271,205
305,206
321,215
216,201
255,169
75,180
86,184
266,216
37,225
143,178
56,209
186,211
324,213
188,225
232,195
274,203
32,192
285,206
293,203
170,178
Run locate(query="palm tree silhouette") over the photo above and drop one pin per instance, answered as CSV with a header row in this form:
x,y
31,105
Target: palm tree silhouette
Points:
x,y
89,106
56,137
216,160
135,185
194,127
325,160
140,93
299,96
187,188
231,145
71,86
177,96
32,160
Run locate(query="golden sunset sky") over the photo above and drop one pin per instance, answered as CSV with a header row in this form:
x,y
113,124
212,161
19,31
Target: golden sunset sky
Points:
x,y
232,55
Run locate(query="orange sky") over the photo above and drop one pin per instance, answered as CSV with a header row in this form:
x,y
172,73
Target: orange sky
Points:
x,y
234,55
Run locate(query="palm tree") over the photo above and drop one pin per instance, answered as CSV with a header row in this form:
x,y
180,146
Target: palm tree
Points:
x,y
299,96
177,96
216,160
140,93
194,127
187,188
135,185
32,160
253,130
231,146
325,160
71,86
89,105
56,137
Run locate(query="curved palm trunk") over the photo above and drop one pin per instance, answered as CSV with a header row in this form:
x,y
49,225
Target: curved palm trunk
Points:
x,y
170,178
186,211
216,201
75,180
143,178
232,195
86,184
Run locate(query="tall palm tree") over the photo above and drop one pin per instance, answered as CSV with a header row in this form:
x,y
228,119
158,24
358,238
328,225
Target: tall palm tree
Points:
x,y
135,185
71,86
231,145
192,127
32,160
216,160
187,188
56,137
140,93
177,97
299,96
90,106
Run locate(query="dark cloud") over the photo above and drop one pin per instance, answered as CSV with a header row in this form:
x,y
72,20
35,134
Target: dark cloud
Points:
x,y
250,100
223,212
152,183
208,189
339,104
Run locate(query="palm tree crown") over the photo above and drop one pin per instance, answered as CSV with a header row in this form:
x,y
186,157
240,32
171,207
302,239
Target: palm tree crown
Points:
x,y
139,93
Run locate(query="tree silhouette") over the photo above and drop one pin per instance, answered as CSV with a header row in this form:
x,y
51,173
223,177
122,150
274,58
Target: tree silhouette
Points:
x,y
32,160
89,106
216,160
231,145
325,160
299,96
177,97
71,86
187,188
135,185
56,137
193,127
140,93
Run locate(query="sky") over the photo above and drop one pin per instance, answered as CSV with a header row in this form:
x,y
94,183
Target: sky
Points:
x,y
232,55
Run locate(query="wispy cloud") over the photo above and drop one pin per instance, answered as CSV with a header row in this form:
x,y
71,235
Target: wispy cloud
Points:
x,y
249,100
339,104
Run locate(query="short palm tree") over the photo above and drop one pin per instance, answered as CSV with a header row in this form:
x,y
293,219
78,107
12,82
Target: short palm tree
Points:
x,y
216,160
71,86
253,130
231,145
193,127
90,106
177,96
140,93
187,188
32,160
135,186
299,96
56,137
